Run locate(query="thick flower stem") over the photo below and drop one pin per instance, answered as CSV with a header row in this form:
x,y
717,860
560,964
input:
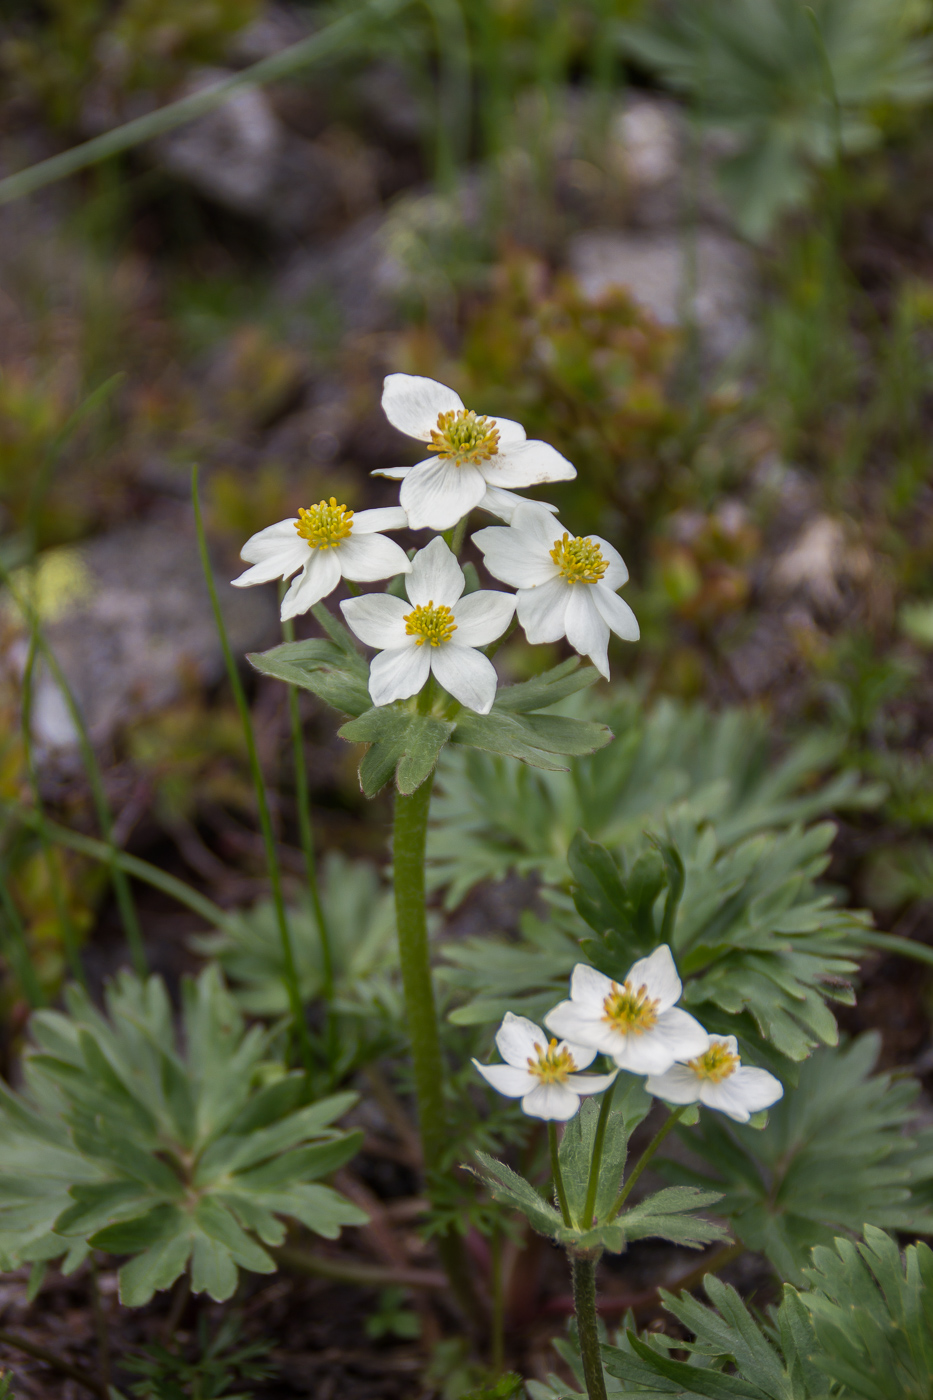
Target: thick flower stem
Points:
x,y
646,1157
409,842
583,1267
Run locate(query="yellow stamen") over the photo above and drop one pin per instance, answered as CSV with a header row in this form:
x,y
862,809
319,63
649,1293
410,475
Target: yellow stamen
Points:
x,y
717,1064
430,624
325,525
580,560
463,438
552,1065
629,1011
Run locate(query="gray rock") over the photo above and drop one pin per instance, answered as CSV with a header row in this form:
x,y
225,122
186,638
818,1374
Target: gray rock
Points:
x,y
654,267
135,627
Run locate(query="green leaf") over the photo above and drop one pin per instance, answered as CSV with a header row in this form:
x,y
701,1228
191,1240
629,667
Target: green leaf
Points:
x,y
401,743
530,738
508,1186
337,676
84,1170
547,689
843,1148
667,1215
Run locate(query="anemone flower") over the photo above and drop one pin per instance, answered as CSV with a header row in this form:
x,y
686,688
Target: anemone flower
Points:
x,y
718,1079
542,1073
437,631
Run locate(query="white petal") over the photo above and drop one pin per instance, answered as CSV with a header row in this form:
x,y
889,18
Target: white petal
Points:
x,y
675,1036
504,503
616,613
589,985
515,556
527,464
269,541
541,611
370,557
467,675
585,629
392,473
554,1102
483,616
320,576
378,619
517,1038
582,1055
435,576
436,493
508,1080
531,521
743,1093
510,432
617,573
411,403
658,972
678,1085
581,1023
589,1083
289,557
367,522
394,675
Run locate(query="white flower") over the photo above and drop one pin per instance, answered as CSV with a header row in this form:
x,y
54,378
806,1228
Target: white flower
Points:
x,y
497,501
327,541
542,1073
438,630
566,586
718,1079
636,1023
472,452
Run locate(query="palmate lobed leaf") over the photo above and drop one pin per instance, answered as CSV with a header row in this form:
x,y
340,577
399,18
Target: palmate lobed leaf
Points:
x,y
173,1151
861,1329
842,1149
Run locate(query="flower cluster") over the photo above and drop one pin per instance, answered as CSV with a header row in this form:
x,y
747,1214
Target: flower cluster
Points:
x,y
565,584
638,1025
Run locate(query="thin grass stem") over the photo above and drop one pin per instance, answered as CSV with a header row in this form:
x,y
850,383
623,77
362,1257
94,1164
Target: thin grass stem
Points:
x,y
289,970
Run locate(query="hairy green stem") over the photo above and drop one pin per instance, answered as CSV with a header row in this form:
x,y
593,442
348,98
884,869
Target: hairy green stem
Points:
x,y
592,1185
289,970
326,43
556,1173
670,1122
583,1269
303,801
409,843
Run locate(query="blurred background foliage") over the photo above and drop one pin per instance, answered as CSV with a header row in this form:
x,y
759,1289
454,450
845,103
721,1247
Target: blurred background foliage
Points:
x,y
689,245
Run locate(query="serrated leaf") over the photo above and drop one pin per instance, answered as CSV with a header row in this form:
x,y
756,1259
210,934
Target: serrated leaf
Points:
x,y
548,688
401,744
516,1191
667,1215
335,675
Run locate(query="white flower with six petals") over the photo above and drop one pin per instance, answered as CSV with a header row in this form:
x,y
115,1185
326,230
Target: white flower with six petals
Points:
x,y
472,453
718,1079
542,1073
637,1023
326,542
566,586
437,630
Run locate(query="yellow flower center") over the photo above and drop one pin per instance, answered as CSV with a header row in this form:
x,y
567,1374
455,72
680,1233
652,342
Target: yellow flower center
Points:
x,y
580,560
463,438
717,1064
430,624
325,525
552,1065
629,1010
